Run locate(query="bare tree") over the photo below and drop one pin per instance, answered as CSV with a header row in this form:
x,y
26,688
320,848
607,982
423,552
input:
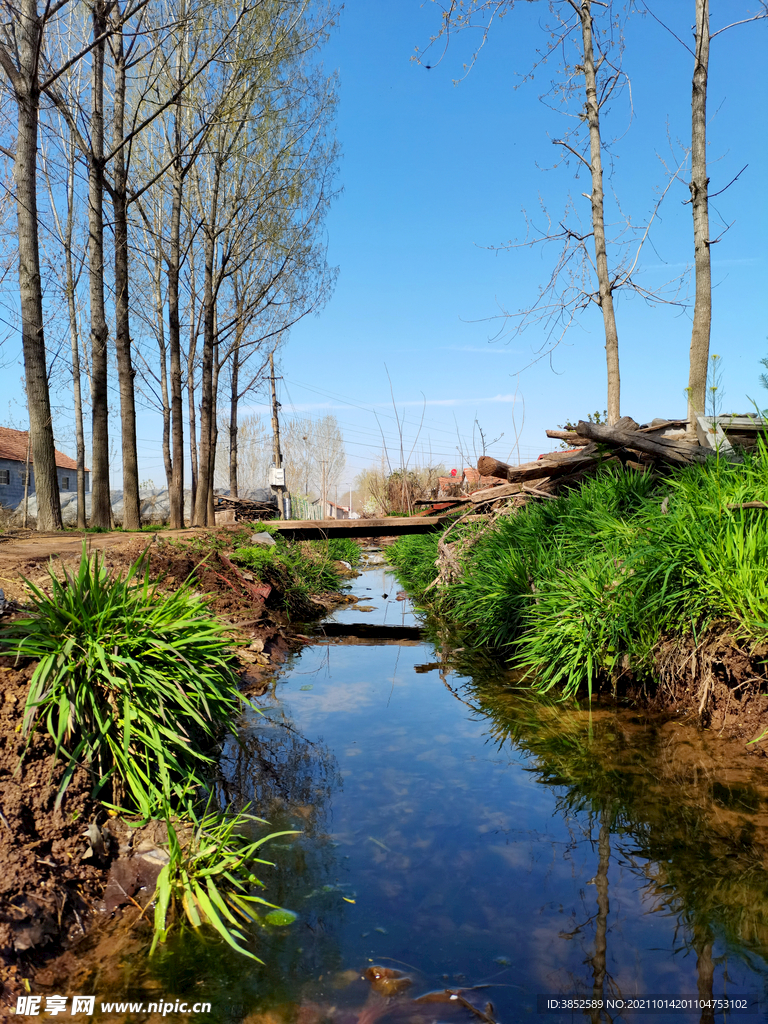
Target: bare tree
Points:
x,y
585,272
699,186
21,46
66,238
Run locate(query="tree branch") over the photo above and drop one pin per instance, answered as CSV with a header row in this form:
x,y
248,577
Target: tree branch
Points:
x,y
744,21
559,142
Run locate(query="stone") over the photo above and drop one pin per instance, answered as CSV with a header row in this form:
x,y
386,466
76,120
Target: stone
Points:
x,y
264,538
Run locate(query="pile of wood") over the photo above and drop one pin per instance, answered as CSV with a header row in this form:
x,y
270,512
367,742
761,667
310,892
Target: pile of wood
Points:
x,y
651,447
243,510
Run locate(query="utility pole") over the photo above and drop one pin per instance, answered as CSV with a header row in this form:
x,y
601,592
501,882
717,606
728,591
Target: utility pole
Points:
x,y
277,473
325,509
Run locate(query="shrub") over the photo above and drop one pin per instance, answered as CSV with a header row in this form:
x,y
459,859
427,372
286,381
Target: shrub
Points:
x,y
296,571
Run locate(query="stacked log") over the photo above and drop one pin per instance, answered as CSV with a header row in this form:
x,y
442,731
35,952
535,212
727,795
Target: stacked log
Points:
x,y
245,510
643,449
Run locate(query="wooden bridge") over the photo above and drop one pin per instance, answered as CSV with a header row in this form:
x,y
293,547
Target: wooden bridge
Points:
x,y
389,526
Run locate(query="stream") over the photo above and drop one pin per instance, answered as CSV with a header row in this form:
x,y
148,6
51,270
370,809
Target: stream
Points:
x,y
457,831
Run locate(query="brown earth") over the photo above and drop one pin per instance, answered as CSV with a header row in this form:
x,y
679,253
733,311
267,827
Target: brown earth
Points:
x,y
51,883
719,682
48,887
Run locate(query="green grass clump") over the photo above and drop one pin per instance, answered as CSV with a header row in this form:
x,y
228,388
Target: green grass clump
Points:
x,y
209,882
580,589
342,549
130,683
135,686
296,571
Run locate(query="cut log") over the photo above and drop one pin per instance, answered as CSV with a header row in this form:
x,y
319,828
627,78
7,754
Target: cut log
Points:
x,y
556,464
678,453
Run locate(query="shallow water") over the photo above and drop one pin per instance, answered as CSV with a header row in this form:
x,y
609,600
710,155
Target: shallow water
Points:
x,y
455,827
458,831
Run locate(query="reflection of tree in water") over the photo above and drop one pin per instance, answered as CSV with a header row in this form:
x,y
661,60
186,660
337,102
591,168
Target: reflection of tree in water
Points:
x,y
279,772
687,815
289,781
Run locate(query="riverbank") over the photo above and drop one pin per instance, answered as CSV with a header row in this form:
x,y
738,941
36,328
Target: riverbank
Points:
x,y
471,837
53,875
654,589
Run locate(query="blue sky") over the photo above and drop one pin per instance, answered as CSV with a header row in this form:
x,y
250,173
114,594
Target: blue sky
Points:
x,y
435,174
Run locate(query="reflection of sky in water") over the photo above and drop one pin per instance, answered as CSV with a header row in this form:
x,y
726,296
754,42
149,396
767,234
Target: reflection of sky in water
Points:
x,y
371,586
458,860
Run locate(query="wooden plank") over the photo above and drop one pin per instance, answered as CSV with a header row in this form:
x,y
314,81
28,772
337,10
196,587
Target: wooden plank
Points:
x,y
441,506
391,526
369,631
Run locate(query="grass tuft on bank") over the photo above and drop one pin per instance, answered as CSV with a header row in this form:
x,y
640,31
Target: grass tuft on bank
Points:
x,y
131,682
298,571
581,589
137,686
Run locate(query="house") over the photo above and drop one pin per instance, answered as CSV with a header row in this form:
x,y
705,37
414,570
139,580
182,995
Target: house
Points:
x,y
13,459
334,511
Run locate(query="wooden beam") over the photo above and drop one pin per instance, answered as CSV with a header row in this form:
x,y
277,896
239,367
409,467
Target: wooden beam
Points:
x,y
391,526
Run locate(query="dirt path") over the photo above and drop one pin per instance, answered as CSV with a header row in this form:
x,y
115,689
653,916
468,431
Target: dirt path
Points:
x,y
38,546
28,556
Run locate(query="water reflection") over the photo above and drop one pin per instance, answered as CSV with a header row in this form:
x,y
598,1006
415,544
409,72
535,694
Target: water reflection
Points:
x,y
457,830
687,810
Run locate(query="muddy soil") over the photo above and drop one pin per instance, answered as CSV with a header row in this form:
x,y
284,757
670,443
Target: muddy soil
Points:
x,y
51,883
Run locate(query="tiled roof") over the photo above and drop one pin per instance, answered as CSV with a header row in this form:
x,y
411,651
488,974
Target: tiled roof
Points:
x,y
13,445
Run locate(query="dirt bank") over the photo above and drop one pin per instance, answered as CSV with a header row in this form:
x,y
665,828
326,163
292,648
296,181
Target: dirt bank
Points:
x,y
51,882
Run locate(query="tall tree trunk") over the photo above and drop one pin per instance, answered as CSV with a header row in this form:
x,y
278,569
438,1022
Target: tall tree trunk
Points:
x,y
159,314
214,424
233,401
101,512
174,324
206,382
200,517
191,408
174,343
598,219
702,310
25,84
125,371
74,338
